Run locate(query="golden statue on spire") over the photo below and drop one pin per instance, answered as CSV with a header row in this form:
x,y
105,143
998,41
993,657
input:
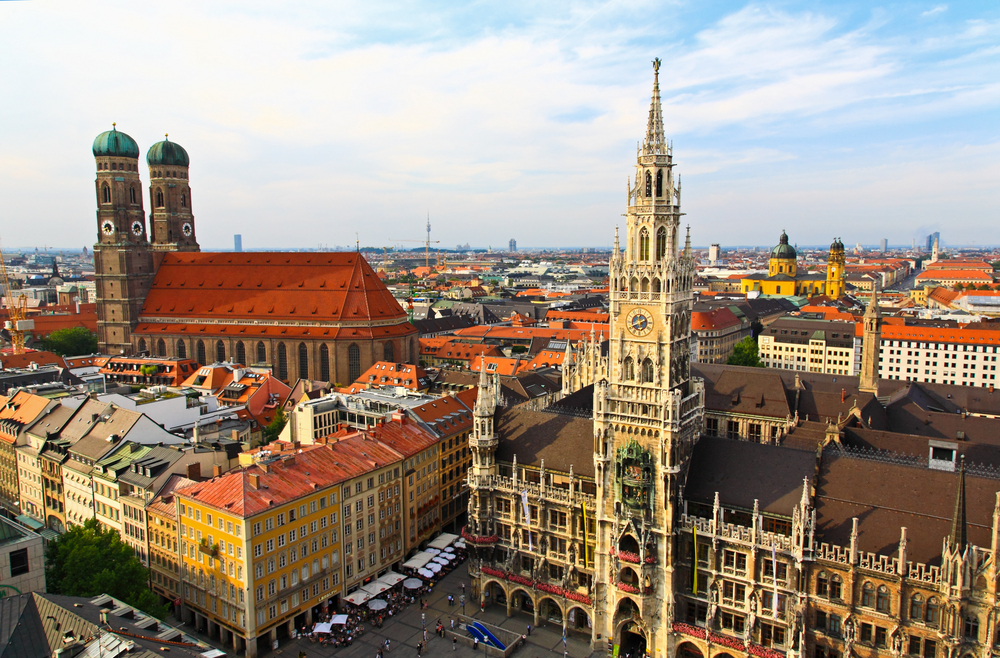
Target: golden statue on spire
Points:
x,y
656,65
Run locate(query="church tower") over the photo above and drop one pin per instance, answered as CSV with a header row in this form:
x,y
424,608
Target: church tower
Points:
x,y
835,267
483,446
171,221
648,411
123,265
871,346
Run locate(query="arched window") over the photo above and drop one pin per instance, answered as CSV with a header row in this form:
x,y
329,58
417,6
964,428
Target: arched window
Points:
x,y
387,351
282,362
261,353
184,202
868,595
661,243
201,353
822,584
836,585
159,198
931,616
131,193
644,285
220,351
656,285
303,361
324,362
659,183
161,348
353,362
643,244
649,184
971,628
182,349
241,353
647,371
628,369
142,344
105,193
882,599
917,607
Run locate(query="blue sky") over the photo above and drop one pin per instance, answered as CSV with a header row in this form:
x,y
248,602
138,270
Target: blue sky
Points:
x,y
308,123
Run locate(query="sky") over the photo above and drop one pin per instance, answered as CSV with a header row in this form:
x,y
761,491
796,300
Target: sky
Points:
x,y
323,123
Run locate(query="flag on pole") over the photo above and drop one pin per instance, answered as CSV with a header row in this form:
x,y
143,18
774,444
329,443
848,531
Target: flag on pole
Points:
x,y
694,582
527,517
774,569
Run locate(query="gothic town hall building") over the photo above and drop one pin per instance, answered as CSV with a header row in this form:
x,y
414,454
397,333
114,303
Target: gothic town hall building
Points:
x,y
707,511
322,316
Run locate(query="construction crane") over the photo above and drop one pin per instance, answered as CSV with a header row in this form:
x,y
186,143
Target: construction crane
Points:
x,y
17,311
427,242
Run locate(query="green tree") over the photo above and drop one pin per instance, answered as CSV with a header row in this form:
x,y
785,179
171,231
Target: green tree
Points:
x,y
89,560
272,431
745,354
72,341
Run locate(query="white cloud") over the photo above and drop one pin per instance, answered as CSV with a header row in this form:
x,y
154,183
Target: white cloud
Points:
x,y
939,9
307,124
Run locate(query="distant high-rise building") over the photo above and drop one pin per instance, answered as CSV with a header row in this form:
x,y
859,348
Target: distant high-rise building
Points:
x,y
931,238
513,245
237,242
885,245
713,254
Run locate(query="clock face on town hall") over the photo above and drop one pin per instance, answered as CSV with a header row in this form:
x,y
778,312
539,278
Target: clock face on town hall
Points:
x,y
639,322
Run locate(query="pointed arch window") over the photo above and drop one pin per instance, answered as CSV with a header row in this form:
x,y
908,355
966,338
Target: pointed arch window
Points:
x,y
353,362
184,203
161,348
649,184
324,362
647,371
241,353
182,349
628,369
142,345
387,351
661,243
282,362
261,353
159,198
644,244
105,193
220,351
201,352
659,183
303,361
131,193
644,285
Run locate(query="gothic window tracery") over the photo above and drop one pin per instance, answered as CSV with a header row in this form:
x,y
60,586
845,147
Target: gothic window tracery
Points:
x,y
181,349
647,371
644,244
324,362
661,243
261,353
659,183
241,353
649,185
220,351
159,198
201,352
303,361
105,193
628,369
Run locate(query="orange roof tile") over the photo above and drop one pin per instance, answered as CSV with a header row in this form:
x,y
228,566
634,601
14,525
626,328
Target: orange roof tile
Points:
x,y
719,318
955,275
386,373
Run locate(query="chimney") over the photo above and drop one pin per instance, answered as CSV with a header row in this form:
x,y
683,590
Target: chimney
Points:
x,y
194,471
265,467
255,480
289,460
216,470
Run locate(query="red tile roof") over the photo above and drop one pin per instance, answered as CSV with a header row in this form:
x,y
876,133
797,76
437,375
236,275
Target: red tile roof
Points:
x,y
385,373
955,275
719,318
10,360
280,287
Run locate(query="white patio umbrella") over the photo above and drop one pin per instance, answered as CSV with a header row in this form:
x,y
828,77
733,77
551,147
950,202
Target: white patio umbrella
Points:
x,y
426,573
413,583
434,566
377,604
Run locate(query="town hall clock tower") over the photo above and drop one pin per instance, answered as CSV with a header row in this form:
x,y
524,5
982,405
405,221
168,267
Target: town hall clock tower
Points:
x,y
648,410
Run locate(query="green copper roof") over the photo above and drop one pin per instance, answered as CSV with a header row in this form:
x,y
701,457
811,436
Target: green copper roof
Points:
x,y
167,153
113,142
783,250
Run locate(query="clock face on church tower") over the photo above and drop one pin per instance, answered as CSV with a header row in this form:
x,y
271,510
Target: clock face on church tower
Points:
x,y
639,322
186,229
108,228
137,228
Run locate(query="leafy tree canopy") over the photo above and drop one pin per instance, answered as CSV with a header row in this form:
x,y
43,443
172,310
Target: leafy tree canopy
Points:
x,y
745,354
72,341
272,431
89,560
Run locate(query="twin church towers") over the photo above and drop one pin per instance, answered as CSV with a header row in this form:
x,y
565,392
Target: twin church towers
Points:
x,y
129,250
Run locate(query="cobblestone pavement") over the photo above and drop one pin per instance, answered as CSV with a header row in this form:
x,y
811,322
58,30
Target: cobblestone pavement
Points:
x,y
404,631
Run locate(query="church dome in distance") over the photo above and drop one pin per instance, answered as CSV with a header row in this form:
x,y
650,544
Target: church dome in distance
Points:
x,y
115,143
167,153
837,245
783,250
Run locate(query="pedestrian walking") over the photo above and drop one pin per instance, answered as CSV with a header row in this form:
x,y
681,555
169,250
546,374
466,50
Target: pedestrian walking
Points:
x,y
425,635
454,643
452,623
423,620
463,588
529,630
475,644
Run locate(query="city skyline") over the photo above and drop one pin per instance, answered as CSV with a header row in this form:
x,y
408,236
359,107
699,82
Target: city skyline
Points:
x,y
836,121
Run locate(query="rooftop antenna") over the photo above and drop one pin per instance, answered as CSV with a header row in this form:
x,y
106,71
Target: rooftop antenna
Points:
x,y
357,242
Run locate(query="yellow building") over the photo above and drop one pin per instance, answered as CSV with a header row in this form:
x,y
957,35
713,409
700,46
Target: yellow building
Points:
x,y
260,547
784,279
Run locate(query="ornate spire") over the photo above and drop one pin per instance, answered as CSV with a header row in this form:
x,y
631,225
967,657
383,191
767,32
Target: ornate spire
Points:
x,y
873,310
959,528
655,142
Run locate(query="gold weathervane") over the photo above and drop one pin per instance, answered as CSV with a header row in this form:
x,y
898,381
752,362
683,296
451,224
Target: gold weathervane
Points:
x,y
656,65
